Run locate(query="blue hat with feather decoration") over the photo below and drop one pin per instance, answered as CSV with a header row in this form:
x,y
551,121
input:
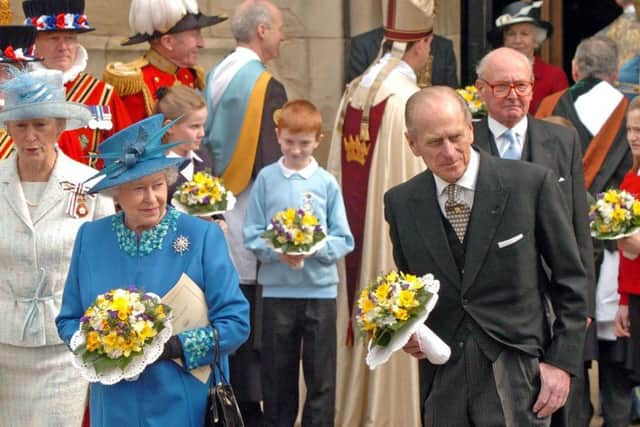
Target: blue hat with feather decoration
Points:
x,y
39,94
135,152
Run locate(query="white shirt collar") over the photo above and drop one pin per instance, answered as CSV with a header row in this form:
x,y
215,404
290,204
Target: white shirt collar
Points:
x,y
372,73
247,53
468,180
79,65
497,128
306,172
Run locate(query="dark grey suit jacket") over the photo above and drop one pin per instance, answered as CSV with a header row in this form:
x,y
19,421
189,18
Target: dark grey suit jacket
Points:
x,y
365,47
557,148
518,218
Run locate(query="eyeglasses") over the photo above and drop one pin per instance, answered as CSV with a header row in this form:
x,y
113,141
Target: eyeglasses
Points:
x,y
502,90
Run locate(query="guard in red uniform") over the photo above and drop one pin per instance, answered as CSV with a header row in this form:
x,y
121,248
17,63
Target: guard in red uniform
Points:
x,y
172,57
58,24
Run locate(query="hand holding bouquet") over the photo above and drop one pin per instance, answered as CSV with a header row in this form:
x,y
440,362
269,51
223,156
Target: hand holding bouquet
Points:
x,y
204,195
474,103
614,215
391,309
295,232
121,333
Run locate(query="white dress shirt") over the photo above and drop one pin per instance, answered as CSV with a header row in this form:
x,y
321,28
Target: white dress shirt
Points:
x,y
502,142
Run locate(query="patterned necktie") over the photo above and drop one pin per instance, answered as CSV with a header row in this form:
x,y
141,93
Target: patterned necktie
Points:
x,y
457,212
513,150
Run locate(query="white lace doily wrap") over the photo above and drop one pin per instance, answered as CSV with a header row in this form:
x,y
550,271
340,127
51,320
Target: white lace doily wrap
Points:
x,y
437,351
312,250
231,203
150,353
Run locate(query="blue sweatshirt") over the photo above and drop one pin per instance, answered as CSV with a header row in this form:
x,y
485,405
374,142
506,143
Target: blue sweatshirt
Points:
x,y
277,188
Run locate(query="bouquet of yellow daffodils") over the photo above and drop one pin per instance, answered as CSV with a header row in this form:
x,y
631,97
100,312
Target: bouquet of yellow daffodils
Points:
x,y
614,215
474,103
393,307
120,333
294,232
204,195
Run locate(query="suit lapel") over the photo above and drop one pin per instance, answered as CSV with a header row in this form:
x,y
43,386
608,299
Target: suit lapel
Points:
x,y
426,201
13,191
53,193
483,138
542,145
489,201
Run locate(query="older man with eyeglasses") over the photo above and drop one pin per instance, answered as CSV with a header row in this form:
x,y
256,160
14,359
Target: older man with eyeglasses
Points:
x,y
505,83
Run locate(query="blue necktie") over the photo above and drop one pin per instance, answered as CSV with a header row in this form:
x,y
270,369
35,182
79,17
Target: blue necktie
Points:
x,y
513,150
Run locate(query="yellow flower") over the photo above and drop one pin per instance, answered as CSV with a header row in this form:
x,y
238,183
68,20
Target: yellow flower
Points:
x,y
611,197
289,216
120,304
383,291
391,277
366,305
604,228
298,237
110,340
160,312
619,214
93,341
309,219
636,208
147,331
199,178
407,299
402,314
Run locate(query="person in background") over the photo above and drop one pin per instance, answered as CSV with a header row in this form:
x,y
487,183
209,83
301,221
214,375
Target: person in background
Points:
x,y
153,246
504,82
242,99
188,107
597,110
16,50
625,32
58,24
173,30
616,384
520,28
45,201
441,69
368,154
299,291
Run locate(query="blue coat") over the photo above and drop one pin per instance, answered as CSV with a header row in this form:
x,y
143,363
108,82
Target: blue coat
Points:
x,y
165,394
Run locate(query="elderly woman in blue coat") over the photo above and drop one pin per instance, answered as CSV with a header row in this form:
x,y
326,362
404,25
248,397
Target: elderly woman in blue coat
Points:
x,y
151,245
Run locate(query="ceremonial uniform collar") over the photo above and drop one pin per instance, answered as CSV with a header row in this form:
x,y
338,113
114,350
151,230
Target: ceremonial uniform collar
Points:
x,y
161,63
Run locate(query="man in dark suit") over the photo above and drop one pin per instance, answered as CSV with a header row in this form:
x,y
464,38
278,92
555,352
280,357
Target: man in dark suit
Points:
x,y
508,366
365,48
555,147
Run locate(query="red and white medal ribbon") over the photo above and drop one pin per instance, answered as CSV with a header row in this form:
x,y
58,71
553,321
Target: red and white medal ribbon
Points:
x,y
77,205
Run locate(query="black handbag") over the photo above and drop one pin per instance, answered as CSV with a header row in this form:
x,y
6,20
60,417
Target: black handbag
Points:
x,y
222,408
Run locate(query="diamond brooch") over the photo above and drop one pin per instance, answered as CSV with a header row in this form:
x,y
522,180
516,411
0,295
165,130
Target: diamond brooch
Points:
x,y
181,244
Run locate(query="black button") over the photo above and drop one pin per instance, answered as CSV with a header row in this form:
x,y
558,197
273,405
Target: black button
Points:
x,y
465,302
461,344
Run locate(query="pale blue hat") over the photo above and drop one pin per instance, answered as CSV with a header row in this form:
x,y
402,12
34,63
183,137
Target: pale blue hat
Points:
x,y
38,95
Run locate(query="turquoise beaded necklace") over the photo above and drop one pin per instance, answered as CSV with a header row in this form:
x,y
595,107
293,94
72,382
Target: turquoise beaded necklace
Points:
x,y
150,240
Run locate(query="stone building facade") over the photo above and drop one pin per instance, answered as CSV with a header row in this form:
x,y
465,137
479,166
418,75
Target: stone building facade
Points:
x,y
312,59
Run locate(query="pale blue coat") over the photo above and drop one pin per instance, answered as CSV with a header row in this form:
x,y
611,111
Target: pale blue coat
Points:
x,y
165,393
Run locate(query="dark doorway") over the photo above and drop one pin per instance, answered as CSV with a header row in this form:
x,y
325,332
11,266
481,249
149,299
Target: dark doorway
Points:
x,y
582,19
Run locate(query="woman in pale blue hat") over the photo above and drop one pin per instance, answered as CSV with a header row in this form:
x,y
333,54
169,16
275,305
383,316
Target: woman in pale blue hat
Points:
x,y
43,203
151,245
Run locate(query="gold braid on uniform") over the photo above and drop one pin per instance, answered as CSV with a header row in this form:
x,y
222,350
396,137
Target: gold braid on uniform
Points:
x,y
5,12
126,78
200,77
